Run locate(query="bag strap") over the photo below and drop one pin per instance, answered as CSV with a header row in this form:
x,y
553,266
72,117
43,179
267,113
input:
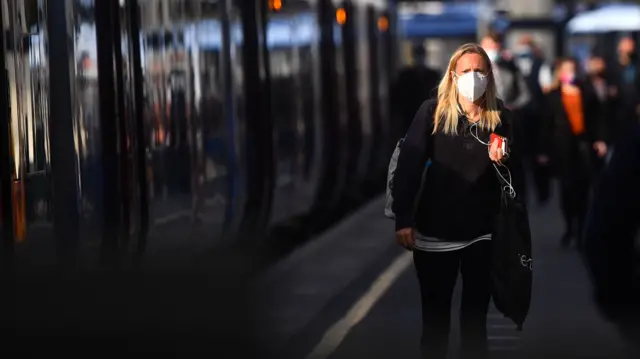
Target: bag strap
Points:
x,y
423,115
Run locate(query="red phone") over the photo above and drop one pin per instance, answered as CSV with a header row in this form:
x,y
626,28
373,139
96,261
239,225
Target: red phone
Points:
x,y
502,142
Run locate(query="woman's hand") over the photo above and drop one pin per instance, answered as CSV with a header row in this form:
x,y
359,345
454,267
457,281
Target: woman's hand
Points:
x,y
600,147
495,154
405,237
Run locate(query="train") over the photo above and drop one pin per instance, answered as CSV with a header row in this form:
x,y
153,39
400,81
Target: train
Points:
x,y
135,127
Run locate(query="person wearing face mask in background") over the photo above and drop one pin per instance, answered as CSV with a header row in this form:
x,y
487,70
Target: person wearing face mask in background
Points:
x,y
538,76
624,77
513,90
449,223
597,80
571,135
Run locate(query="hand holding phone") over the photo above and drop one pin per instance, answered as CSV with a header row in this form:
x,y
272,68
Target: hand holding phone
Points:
x,y
500,144
497,148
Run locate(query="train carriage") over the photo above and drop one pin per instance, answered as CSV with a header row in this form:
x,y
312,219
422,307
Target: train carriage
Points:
x,y
173,126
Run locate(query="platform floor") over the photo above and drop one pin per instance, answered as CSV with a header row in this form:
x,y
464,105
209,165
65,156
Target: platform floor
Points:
x,y
352,293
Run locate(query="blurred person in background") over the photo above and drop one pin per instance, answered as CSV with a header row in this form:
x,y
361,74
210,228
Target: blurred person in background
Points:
x,y
596,78
513,90
612,240
450,227
571,136
413,85
538,76
538,73
598,84
624,78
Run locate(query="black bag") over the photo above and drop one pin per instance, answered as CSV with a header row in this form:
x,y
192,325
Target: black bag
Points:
x,y
511,262
391,173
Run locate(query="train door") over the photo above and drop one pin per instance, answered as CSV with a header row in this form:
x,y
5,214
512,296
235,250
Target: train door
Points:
x,y
290,40
313,139
52,166
6,173
332,110
167,86
130,93
25,58
192,120
377,26
256,140
94,129
357,121
244,163
347,156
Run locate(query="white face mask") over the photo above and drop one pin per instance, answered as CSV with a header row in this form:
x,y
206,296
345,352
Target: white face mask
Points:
x,y
471,85
492,54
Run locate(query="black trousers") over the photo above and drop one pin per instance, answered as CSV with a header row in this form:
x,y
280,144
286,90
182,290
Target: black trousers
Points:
x,y
574,202
542,180
437,273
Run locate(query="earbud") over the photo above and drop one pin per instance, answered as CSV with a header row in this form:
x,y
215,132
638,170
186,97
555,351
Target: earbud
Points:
x,y
509,187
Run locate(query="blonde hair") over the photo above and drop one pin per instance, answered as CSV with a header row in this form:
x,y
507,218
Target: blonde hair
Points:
x,y
448,110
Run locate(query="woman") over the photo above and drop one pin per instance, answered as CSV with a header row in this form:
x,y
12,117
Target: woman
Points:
x,y
450,228
572,138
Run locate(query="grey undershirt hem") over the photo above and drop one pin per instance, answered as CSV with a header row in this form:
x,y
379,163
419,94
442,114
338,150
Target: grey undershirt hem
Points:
x,y
432,244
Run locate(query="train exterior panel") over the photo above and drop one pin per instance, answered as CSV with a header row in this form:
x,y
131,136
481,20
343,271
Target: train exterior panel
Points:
x,y
169,127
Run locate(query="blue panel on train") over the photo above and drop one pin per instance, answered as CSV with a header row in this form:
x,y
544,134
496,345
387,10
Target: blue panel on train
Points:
x,y
281,33
295,31
434,26
454,19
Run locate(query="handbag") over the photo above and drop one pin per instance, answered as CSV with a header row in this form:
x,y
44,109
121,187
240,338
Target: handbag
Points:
x,y
512,262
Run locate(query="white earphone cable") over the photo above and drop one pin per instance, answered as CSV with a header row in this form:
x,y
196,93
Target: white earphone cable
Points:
x,y
509,187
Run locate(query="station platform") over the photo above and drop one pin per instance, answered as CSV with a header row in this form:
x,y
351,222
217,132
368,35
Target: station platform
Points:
x,y
353,293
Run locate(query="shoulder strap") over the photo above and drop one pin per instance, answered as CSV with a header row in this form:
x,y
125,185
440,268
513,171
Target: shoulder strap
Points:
x,y
423,111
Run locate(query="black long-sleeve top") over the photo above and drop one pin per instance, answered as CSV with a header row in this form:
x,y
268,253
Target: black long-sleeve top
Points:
x,y
461,191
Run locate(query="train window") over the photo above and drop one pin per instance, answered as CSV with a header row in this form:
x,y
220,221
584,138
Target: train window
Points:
x,y
29,72
188,118
85,100
38,116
